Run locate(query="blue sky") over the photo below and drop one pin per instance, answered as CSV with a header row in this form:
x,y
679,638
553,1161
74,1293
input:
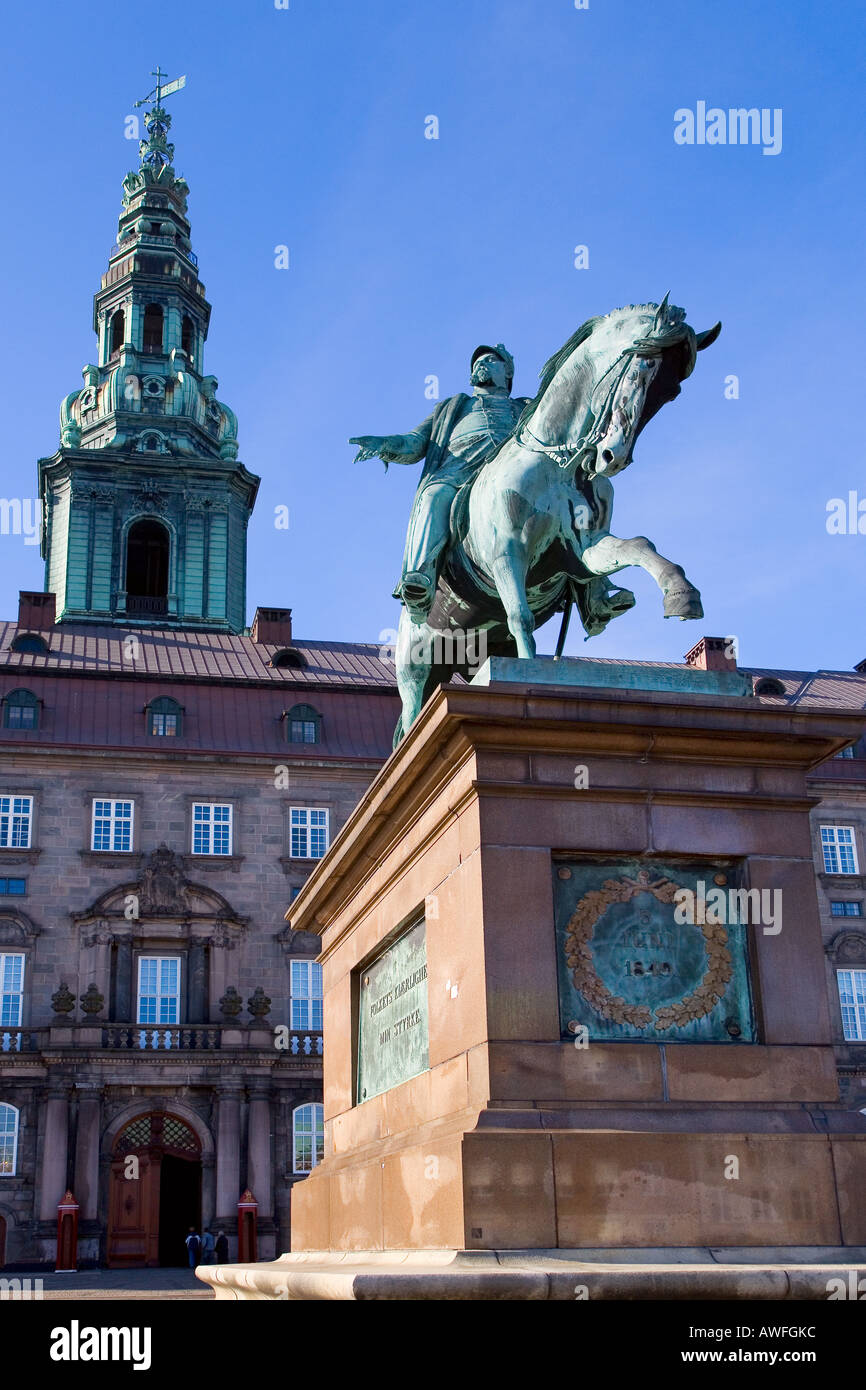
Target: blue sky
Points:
x,y
305,127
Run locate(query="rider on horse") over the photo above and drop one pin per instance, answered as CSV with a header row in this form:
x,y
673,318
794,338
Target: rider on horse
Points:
x,y
462,433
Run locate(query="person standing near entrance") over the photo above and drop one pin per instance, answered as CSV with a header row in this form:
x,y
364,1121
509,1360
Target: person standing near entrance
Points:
x,y
208,1248
193,1246
222,1247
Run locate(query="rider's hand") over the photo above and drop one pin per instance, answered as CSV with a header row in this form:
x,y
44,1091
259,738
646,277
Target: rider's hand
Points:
x,y
370,446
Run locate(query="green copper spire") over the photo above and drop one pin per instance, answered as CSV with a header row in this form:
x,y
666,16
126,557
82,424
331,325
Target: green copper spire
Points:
x,y
146,502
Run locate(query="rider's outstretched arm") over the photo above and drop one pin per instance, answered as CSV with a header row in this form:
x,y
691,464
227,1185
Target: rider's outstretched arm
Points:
x,y
408,448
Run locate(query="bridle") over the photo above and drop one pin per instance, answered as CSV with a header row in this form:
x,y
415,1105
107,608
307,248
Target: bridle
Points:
x,y
565,455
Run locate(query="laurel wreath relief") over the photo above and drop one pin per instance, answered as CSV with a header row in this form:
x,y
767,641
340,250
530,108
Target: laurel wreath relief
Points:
x,y
579,956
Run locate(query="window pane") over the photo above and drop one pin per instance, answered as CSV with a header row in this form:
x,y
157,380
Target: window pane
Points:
x,y
8,1138
852,998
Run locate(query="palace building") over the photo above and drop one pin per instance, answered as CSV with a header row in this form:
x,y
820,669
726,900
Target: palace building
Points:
x,y
168,779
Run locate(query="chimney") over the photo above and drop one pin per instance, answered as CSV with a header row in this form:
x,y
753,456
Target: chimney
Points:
x,y
272,625
36,612
713,654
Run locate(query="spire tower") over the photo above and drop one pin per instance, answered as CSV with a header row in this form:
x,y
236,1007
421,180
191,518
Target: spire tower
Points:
x,y
145,502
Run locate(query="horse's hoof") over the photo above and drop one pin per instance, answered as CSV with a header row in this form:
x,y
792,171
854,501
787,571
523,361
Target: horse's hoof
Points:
x,y
684,604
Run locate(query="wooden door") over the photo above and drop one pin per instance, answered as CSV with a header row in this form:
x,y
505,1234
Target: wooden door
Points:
x,y
133,1210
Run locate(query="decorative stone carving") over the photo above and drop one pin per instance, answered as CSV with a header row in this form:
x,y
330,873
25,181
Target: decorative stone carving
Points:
x,y
848,947
231,1004
163,886
63,1000
258,1004
92,1002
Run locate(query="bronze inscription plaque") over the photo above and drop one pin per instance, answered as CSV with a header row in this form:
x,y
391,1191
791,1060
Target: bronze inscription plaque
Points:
x,y
393,1037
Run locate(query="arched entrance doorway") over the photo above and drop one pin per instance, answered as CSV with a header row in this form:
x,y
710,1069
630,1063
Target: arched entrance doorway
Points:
x,y
147,552
154,1192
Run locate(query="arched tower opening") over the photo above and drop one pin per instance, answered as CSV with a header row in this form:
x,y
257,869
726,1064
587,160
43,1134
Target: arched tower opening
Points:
x,y
147,554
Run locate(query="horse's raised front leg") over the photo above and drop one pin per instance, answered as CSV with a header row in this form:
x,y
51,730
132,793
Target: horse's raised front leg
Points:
x,y
611,553
509,574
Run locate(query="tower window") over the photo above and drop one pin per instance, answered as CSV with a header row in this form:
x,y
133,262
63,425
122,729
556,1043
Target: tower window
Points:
x,y
164,718
118,324
304,724
187,336
153,328
147,550
20,710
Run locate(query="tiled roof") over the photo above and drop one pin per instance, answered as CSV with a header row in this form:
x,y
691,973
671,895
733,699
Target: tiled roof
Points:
x,y
233,701
87,649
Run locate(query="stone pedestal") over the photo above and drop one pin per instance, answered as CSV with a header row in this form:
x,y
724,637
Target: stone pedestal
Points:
x,y
593,1077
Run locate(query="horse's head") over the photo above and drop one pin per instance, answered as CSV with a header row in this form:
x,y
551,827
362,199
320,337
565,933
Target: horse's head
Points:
x,y
614,374
643,353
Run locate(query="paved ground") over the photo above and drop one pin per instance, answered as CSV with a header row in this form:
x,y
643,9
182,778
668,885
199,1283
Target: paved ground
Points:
x,y
123,1283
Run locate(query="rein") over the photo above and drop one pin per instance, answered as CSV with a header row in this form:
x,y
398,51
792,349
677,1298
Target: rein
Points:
x,y
564,455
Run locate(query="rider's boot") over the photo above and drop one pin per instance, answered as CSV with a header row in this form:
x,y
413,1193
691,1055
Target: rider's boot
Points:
x,y
417,591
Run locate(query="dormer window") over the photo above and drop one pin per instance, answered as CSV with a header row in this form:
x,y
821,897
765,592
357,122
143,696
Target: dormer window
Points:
x,y
768,685
30,642
303,724
288,657
164,718
21,710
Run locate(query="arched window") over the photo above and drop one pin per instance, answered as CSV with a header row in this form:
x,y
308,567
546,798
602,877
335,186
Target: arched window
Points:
x,y
303,724
308,1137
768,685
20,710
152,341
8,1140
118,325
288,657
187,336
32,642
164,718
147,550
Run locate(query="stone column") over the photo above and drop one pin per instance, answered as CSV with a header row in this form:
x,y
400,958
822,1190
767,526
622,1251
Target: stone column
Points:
x,y
86,1187
54,1151
228,1154
208,1192
197,982
123,1004
217,981
259,1148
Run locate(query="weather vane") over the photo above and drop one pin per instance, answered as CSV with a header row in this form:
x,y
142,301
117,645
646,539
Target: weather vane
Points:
x,y
160,91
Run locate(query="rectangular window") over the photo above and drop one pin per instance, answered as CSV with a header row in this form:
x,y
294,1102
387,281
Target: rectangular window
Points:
x,y
852,997
840,909
845,752
837,845
13,887
11,990
164,725
8,1139
309,833
158,989
306,995
112,826
21,716
16,813
303,731
308,1137
211,828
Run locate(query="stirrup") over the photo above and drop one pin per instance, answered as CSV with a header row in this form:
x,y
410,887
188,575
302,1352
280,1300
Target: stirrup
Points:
x,y
417,593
